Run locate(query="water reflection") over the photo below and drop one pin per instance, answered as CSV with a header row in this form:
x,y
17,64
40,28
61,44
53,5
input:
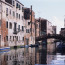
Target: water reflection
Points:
x,y
31,56
57,59
18,57
41,56
23,56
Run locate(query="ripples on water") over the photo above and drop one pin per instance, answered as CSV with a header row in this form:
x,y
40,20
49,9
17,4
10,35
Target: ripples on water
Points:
x,y
31,56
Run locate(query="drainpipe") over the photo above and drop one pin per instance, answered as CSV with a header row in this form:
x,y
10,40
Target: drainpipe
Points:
x,y
35,31
31,21
31,24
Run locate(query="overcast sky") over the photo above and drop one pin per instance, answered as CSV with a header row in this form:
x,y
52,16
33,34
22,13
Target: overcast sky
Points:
x,y
52,10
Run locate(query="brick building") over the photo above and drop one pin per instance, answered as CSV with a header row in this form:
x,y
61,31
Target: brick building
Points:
x,y
29,17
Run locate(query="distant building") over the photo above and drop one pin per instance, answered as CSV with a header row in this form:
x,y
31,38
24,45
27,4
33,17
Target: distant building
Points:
x,y
62,32
43,27
37,28
54,29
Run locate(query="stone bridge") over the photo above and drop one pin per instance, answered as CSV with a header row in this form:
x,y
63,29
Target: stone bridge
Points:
x,y
55,36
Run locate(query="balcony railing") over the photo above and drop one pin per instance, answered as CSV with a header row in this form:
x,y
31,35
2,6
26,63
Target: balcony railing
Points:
x,y
16,31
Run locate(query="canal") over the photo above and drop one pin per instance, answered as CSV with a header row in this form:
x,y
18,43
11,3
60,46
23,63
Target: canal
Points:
x,y
32,56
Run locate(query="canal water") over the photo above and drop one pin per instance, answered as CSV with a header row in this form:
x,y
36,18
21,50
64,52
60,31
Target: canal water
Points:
x,y
31,56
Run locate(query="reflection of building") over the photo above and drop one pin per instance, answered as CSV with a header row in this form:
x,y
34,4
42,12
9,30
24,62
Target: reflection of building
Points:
x,y
62,32
29,17
40,56
11,23
17,57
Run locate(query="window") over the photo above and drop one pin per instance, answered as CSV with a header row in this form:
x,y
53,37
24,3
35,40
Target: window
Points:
x,y
10,11
15,25
28,23
10,25
13,14
23,38
9,1
18,27
16,15
6,38
22,17
30,29
13,38
22,28
10,38
17,5
6,11
27,31
19,16
0,22
0,8
17,38
7,24
13,3
22,9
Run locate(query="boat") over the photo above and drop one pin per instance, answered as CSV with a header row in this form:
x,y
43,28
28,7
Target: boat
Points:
x,y
36,45
22,46
5,49
61,47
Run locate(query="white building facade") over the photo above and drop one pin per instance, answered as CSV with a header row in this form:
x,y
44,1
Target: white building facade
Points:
x,y
12,23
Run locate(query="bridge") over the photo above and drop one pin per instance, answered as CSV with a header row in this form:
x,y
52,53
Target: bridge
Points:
x,y
48,36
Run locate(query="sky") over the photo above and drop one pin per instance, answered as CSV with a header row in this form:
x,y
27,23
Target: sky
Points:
x,y
52,10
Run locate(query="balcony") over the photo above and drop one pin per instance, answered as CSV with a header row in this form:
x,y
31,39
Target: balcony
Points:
x,y
15,31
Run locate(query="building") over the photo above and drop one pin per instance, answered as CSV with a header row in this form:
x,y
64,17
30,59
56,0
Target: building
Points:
x,y
37,28
54,29
45,27
29,17
11,23
62,32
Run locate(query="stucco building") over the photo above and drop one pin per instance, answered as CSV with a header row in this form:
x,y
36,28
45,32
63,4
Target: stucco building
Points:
x,y
11,23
